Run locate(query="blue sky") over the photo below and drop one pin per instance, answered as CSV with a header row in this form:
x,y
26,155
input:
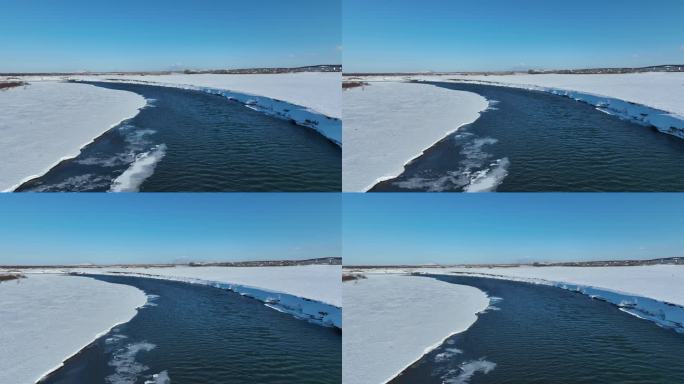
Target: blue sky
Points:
x,y
473,35
503,227
74,35
146,227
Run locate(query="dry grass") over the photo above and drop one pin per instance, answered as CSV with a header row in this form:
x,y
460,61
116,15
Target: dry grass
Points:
x,y
353,84
352,277
11,276
10,84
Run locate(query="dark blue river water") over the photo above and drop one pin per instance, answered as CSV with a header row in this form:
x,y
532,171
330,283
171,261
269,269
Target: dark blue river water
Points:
x,y
195,142
542,334
533,141
199,335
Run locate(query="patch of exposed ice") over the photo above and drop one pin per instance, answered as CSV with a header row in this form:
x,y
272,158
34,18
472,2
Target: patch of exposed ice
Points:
x,y
473,174
126,369
159,378
447,354
487,180
467,370
141,169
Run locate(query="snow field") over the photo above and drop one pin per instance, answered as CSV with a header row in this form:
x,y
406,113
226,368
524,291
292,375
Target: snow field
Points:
x,y
388,124
47,122
391,321
46,318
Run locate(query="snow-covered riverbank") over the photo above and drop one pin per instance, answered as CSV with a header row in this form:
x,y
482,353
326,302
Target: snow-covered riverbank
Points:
x,y
311,99
391,321
44,123
388,124
653,99
655,293
310,292
46,318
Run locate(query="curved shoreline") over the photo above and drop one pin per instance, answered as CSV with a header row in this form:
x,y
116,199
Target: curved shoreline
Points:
x,y
422,152
662,313
414,117
326,126
75,155
70,157
408,314
669,123
95,338
438,344
302,308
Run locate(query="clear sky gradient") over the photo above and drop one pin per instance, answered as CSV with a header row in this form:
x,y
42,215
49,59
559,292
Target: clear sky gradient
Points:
x,y
510,228
150,228
132,35
473,35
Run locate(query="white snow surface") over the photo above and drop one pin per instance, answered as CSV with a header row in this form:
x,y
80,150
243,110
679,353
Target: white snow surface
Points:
x,y
48,121
46,318
391,321
389,123
282,95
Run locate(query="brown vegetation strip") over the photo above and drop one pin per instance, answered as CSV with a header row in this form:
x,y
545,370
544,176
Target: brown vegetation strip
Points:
x,y
353,84
352,277
11,84
10,277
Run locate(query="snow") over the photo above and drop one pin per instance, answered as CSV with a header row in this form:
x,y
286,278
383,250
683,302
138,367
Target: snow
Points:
x,y
391,321
652,292
310,292
47,122
47,318
312,99
649,98
389,123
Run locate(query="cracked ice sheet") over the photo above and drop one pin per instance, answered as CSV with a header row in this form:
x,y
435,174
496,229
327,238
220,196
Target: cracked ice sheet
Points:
x,y
387,124
390,321
48,121
48,318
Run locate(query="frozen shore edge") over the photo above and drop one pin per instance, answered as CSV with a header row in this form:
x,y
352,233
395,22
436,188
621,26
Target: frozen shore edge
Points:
x,y
315,312
328,127
664,314
439,343
400,170
97,336
73,155
663,121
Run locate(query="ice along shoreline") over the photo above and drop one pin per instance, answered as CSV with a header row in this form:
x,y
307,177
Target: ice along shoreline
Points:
x,y
272,97
309,292
665,311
